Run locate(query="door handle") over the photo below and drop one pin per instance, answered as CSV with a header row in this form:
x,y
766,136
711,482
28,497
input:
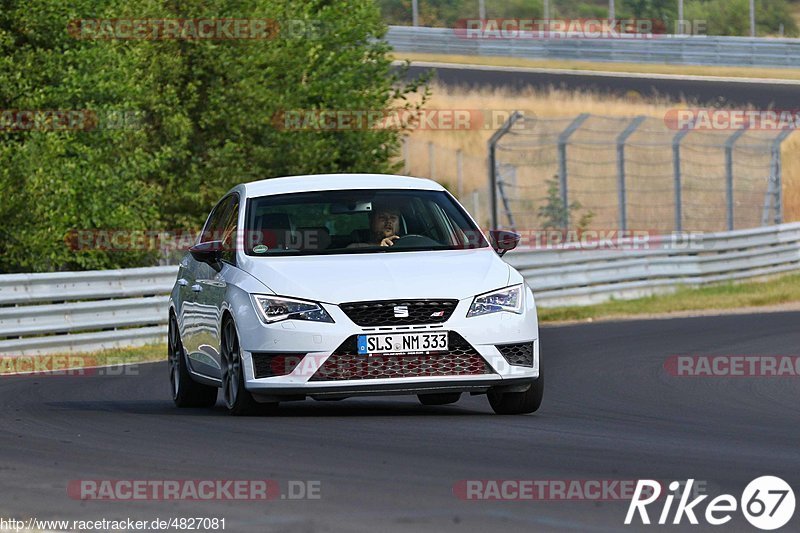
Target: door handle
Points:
x,y
197,288
182,282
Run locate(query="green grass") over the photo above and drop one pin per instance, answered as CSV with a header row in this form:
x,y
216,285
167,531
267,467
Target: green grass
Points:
x,y
780,290
58,362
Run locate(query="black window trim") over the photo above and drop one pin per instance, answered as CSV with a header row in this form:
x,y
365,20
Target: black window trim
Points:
x,y
249,201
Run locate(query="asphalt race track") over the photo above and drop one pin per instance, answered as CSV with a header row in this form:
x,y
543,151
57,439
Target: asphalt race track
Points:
x,y
389,464
704,92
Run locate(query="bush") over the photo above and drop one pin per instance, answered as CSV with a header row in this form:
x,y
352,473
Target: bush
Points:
x,y
732,17
204,111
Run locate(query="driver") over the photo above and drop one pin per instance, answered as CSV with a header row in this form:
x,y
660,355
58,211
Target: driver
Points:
x,y
384,224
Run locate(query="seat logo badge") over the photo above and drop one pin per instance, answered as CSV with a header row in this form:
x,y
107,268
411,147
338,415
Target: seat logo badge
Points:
x,y
401,311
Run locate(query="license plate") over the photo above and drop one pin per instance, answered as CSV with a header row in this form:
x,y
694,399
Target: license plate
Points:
x,y
402,343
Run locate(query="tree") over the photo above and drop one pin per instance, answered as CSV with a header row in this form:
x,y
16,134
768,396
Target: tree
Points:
x,y
652,9
553,214
732,17
56,181
204,109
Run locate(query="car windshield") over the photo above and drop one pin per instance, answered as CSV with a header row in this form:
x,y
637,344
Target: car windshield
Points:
x,y
357,221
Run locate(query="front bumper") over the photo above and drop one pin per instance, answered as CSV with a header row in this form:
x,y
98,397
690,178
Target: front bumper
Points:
x,y
315,343
396,387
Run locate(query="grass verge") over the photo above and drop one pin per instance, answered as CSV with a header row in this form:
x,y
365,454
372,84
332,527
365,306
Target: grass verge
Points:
x,y
625,68
728,296
61,362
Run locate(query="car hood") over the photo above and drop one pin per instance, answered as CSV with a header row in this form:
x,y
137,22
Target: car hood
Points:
x,y
381,276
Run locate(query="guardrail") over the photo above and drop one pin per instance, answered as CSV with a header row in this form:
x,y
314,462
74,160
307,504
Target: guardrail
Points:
x,y
673,49
83,311
573,276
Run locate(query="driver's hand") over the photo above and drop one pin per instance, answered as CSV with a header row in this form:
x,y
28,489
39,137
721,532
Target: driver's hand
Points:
x,y
389,241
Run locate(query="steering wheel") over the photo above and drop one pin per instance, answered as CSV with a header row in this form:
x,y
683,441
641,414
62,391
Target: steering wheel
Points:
x,y
414,240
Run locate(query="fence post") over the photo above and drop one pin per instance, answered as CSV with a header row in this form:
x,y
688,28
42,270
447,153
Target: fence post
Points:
x,y
476,206
729,172
775,187
779,175
769,195
563,139
405,156
676,165
509,171
515,116
431,161
621,140
459,172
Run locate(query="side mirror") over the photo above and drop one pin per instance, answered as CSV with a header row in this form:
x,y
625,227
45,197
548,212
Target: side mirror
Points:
x,y
208,252
503,241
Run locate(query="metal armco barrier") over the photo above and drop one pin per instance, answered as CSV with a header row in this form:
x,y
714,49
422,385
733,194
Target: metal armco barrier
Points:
x,y
570,275
673,49
65,312
82,311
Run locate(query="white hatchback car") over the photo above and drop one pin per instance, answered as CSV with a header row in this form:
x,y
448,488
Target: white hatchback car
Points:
x,y
332,286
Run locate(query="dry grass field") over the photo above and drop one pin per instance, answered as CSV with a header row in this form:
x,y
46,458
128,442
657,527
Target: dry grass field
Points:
x,y
550,104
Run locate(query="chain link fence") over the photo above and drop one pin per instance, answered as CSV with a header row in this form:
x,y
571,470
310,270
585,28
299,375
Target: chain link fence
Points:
x,y
464,175
637,173
625,173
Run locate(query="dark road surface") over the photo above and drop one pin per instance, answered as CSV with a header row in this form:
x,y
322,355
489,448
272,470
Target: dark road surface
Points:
x,y
389,464
703,92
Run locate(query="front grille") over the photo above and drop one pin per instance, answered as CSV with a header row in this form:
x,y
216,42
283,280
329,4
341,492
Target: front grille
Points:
x,y
267,365
517,354
346,363
382,313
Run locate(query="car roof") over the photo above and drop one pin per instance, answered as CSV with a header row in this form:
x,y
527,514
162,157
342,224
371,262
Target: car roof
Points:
x,y
334,182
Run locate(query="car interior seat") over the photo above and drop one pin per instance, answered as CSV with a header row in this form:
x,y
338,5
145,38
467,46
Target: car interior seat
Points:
x,y
275,230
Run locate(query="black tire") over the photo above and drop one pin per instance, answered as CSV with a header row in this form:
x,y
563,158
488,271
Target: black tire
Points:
x,y
518,403
185,391
238,400
442,398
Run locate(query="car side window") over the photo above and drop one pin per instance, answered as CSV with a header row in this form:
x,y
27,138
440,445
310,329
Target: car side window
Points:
x,y
215,225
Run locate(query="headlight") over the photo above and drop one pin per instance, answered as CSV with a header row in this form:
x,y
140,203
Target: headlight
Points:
x,y
508,299
274,309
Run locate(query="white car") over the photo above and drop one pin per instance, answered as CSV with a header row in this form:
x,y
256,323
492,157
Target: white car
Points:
x,y
332,286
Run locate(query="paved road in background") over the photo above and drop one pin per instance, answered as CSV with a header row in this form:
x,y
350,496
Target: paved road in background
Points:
x,y
730,92
389,464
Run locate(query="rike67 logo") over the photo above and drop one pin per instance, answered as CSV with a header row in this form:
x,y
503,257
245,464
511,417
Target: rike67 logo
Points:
x,y
767,503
